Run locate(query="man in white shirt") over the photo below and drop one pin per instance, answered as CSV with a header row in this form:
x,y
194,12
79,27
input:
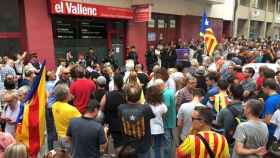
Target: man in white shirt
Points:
x,y
11,112
276,121
184,114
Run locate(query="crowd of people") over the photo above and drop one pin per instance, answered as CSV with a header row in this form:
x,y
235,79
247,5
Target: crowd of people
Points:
x,y
197,107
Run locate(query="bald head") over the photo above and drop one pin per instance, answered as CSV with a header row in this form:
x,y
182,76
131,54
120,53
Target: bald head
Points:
x,y
10,98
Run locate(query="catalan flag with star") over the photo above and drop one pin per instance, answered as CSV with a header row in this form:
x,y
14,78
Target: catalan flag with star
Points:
x,y
210,41
31,120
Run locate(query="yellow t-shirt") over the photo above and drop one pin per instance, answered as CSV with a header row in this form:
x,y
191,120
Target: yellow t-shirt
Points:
x,y
62,114
193,147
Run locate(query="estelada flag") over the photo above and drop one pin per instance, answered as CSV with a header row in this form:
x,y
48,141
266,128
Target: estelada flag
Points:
x,y
205,23
210,41
31,129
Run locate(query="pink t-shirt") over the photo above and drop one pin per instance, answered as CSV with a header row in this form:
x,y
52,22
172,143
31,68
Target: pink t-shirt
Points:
x,y
82,89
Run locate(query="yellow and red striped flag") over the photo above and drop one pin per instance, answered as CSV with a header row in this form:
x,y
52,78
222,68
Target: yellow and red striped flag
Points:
x,y
210,41
31,131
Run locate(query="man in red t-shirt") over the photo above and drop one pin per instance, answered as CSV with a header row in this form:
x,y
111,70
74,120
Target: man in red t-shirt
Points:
x,y
238,73
82,89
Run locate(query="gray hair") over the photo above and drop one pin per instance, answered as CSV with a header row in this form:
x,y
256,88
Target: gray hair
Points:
x,y
24,89
129,65
158,82
61,92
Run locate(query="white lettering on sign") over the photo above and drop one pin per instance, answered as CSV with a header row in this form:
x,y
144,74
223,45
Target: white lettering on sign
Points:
x,y
58,8
73,8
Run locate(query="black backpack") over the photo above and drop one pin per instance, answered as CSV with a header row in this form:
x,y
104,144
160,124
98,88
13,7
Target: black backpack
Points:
x,y
237,119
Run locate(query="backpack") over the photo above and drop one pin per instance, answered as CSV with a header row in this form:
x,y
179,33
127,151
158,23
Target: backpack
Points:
x,y
237,119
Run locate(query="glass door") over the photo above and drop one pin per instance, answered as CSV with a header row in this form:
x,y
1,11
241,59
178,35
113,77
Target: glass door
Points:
x,y
117,35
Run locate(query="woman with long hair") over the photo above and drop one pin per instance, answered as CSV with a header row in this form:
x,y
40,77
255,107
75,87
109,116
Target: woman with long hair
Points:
x,y
134,81
155,99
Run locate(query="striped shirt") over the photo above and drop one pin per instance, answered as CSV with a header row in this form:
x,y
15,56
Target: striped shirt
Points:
x,y
221,100
193,147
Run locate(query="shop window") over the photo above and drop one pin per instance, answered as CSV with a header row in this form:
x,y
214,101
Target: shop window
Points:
x,y
271,4
255,27
151,23
278,6
151,37
259,4
172,23
118,25
161,23
245,3
241,29
79,34
9,16
9,46
268,29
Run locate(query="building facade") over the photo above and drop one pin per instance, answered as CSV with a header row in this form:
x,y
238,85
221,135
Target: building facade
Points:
x,y
257,18
51,27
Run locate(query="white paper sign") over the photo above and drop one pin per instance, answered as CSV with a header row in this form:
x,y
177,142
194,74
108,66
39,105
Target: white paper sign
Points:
x,y
151,23
160,23
117,50
172,23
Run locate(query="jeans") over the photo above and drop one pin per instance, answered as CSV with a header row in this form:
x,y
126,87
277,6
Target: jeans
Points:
x,y
168,143
157,144
51,130
61,143
144,155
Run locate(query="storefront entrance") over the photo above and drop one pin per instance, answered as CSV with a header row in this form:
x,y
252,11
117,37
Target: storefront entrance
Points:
x,y
81,33
116,42
11,36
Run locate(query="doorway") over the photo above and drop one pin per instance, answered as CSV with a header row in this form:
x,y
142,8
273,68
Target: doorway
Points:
x,y
116,41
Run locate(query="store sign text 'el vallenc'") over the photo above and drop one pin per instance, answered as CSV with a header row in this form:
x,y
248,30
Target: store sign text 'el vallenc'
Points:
x,y
65,7
74,8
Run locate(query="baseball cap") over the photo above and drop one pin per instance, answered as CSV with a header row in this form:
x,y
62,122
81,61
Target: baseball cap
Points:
x,y
101,80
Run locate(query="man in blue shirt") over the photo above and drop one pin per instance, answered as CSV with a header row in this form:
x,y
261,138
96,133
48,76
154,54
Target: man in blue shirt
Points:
x,y
271,104
211,81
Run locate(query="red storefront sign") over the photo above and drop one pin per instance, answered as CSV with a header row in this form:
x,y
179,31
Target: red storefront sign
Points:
x,y
86,9
142,13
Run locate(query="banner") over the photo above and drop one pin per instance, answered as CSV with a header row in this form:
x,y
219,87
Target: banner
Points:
x,y
142,13
182,54
86,9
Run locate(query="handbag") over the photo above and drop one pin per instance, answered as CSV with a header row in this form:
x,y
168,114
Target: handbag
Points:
x,y
206,144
